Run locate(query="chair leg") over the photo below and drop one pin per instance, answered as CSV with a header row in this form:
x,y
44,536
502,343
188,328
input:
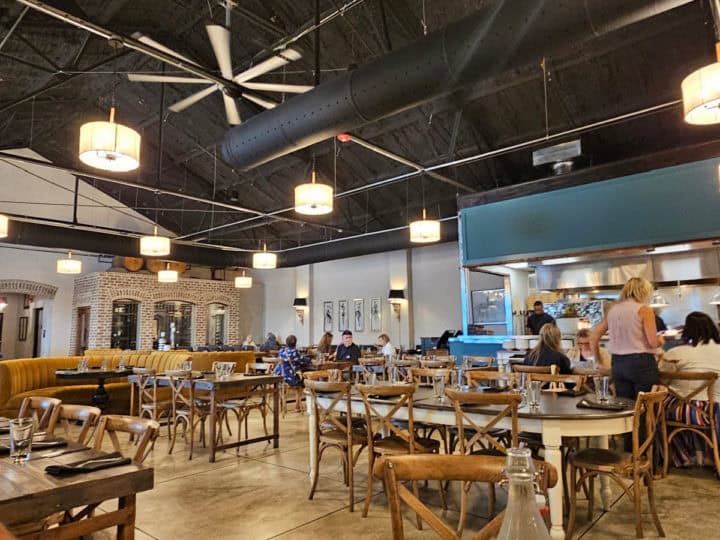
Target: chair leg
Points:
x,y
651,502
316,474
350,480
416,492
491,499
442,497
464,489
591,497
573,503
371,462
637,493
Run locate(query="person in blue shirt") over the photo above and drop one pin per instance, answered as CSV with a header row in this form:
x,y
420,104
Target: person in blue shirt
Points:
x,y
289,368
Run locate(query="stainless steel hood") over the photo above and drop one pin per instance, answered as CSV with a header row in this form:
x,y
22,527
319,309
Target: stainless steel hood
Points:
x,y
604,272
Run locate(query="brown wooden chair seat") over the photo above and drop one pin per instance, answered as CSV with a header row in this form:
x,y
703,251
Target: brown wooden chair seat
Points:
x,y
607,460
522,368
394,445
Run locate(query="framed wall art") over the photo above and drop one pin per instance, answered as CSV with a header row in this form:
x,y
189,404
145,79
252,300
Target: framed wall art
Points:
x,y
343,324
22,328
375,315
328,316
359,314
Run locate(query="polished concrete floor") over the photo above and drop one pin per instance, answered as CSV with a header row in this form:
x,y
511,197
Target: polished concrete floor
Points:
x,y
262,494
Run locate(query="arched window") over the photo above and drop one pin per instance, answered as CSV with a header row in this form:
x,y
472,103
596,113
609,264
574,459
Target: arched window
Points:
x,y
173,325
124,324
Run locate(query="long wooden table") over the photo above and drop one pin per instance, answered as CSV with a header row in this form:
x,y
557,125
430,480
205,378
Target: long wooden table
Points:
x,y
28,495
557,417
220,390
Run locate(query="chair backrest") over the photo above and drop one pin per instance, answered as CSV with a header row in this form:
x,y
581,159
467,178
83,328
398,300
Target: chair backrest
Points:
x,y
335,415
557,380
697,405
404,394
436,363
146,431
40,408
483,435
477,376
648,410
182,389
146,384
63,413
398,469
369,366
424,376
317,375
254,367
703,389
522,368
402,368
470,360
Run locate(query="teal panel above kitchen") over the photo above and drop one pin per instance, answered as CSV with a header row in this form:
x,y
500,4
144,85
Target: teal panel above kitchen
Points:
x,y
667,205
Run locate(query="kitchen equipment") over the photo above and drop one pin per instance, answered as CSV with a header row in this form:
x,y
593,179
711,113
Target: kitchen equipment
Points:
x,y
508,344
568,325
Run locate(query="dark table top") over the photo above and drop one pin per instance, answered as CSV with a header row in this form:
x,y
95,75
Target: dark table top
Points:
x,y
92,373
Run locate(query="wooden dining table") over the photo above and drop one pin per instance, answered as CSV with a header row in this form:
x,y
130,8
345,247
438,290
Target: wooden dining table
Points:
x,y
29,495
223,389
555,418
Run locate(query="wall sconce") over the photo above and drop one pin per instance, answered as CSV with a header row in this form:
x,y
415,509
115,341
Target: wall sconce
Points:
x,y
300,305
396,297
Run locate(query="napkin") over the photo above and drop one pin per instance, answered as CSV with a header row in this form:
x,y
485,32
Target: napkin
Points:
x,y
104,461
36,445
609,406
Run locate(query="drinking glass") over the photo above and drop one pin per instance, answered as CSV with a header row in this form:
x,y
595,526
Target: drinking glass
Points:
x,y
373,378
523,383
122,363
597,383
460,374
21,434
187,365
439,386
82,364
604,397
534,389
104,364
218,370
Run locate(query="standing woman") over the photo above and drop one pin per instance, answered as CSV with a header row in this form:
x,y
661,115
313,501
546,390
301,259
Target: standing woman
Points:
x,y
630,324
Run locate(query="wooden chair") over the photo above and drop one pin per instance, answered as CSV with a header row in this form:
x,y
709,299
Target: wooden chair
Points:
x,y
253,368
491,469
335,429
522,368
40,408
144,429
317,375
689,412
186,408
64,413
368,367
475,377
638,465
424,377
148,404
491,439
557,381
398,440
402,369
252,399
469,361
437,363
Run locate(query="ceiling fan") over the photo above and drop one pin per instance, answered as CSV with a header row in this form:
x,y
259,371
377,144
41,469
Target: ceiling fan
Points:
x,y
220,40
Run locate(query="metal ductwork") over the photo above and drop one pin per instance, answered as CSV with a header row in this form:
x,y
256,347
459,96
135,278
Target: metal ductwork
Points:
x,y
501,36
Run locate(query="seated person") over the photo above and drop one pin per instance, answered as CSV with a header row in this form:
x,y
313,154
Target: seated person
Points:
x,y
271,343
582,353
325,343
387,348
289,368
347,351
548,352
248,344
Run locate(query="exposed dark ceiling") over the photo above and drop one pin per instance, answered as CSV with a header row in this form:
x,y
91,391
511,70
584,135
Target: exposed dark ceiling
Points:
x,y
55,77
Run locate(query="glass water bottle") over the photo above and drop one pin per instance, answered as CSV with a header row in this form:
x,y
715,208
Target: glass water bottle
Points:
x,y
522,520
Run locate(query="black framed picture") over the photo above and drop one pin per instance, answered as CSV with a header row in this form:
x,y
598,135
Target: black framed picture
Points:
x,y
22,328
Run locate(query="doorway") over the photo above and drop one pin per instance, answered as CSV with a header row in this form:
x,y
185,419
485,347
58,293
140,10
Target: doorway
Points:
x,y
83,329
37,332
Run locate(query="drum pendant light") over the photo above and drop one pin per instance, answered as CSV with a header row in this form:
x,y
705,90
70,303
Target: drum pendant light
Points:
x,y
154,245
701,94
167,275
69,265
263,259
109,146
243,282
313,199
425,230
3,226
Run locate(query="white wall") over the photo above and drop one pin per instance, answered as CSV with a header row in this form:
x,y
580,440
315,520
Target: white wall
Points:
x,y
36,265
435,296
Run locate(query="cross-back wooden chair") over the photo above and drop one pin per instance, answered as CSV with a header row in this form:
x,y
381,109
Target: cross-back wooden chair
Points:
x,y
398,440
317,375
334,428
253,368
186,408
637,465
424,376
558,381
253,398
476,378
692,412
491,438
64,413
144,429
522,368
466,469
40,408
402,369
148,403
437,363
483,361
368,367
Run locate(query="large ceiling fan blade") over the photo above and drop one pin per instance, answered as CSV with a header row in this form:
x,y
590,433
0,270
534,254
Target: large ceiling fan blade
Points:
x,y
273,87
147,77
274,62
192,99
265,103
220,41
142,38
231,111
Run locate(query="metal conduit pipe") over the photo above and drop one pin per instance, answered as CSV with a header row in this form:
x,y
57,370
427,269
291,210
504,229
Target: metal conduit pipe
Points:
x,y
499,37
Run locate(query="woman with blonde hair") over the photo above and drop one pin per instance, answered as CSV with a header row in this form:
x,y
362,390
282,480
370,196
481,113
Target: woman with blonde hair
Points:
x,y
548,352
630,323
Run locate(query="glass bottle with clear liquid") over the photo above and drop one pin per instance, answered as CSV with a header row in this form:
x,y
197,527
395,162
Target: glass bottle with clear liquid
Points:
x,y
522,520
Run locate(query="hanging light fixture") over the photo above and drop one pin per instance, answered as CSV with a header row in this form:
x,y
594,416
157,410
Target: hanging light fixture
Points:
x,y
658,300
69,265
154,245
110,146
313,199
3,303
3,226
425,230
243,282
167,275
263,259
715,300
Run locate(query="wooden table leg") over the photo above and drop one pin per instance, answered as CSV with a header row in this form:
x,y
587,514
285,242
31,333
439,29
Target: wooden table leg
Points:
x,y
552,440
276,415
213,418
126,531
